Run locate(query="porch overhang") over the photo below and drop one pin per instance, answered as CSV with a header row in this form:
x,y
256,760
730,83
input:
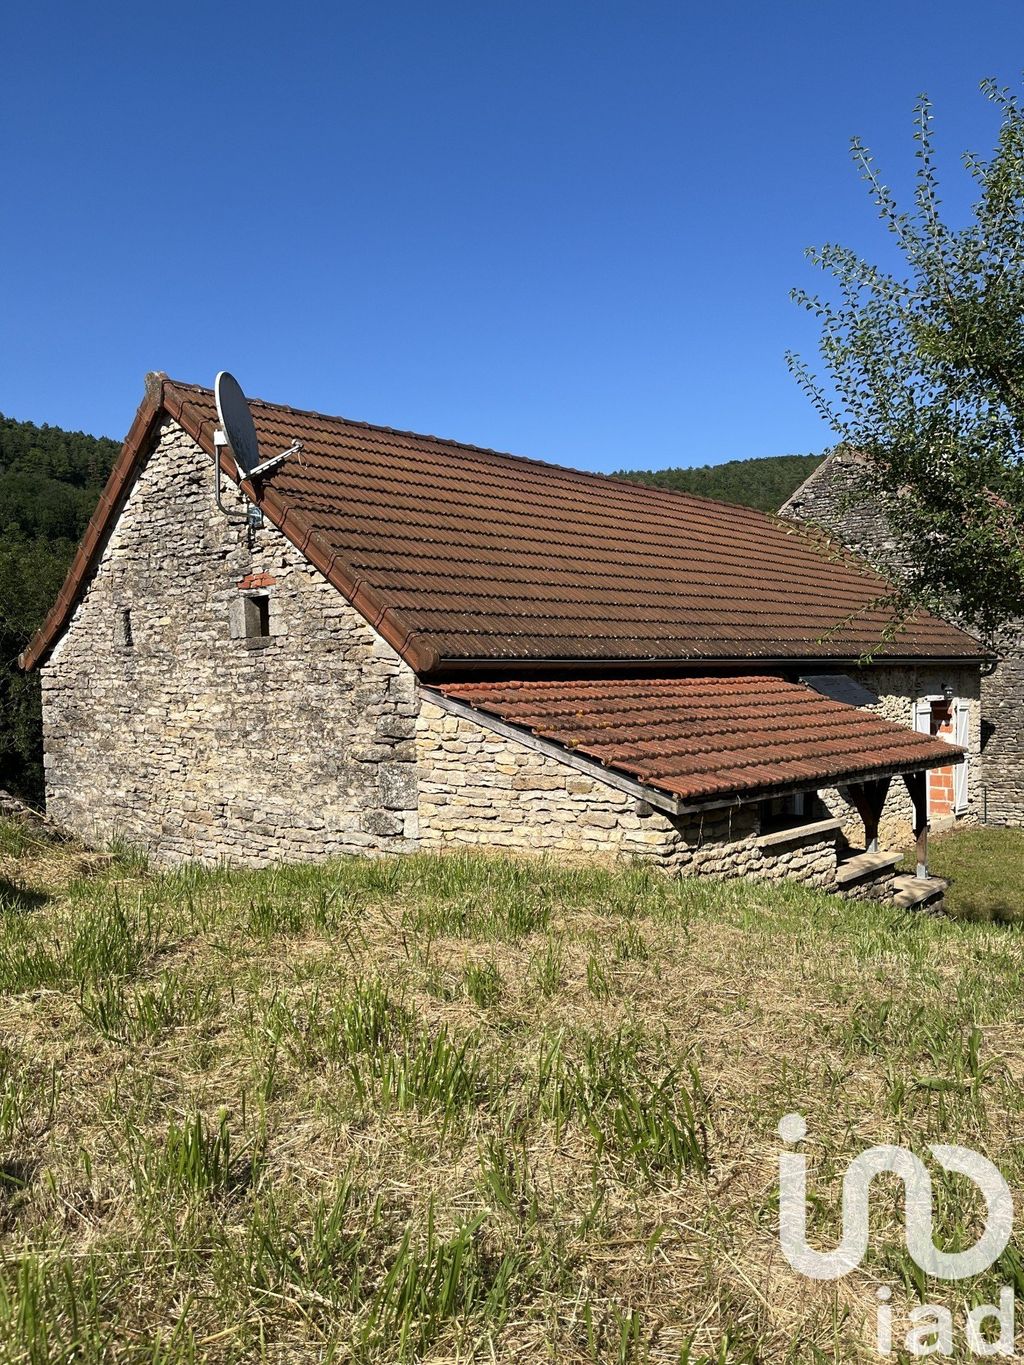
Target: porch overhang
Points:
x,y
687,745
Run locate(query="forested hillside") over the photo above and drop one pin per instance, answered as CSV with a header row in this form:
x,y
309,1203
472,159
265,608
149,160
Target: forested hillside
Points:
x,y
763,483
50,481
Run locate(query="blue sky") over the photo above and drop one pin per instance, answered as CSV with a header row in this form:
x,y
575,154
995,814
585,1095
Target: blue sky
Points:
x,y
564,229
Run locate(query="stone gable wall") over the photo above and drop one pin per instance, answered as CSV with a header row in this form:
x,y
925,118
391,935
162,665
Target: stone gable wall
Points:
x,y
831,498
197,745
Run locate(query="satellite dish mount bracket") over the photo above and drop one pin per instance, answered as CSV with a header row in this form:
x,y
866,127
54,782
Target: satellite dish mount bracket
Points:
x,y
238,434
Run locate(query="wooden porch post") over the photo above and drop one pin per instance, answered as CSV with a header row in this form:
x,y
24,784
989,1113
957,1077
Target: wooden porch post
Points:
x,y
869,798
917,786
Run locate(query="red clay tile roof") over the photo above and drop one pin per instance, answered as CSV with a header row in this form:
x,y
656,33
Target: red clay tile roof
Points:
x,y
463,557
705,739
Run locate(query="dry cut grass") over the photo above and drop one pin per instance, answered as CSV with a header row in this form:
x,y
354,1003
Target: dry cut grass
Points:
x,y
456,1109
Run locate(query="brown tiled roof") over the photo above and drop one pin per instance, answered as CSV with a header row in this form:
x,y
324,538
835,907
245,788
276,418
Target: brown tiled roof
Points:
x,y
463,557
705,739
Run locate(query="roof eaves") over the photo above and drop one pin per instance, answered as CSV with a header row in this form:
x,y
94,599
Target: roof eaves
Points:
x,y
661,796
842,779
510,667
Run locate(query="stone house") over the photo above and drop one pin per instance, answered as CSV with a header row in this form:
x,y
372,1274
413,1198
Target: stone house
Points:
x,y
836,499
393,642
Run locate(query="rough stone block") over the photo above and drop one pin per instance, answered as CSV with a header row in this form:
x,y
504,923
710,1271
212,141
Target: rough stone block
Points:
x,y
386,823
397,783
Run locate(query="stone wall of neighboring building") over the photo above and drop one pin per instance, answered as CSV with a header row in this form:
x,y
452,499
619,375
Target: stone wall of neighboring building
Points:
x,y
169,721
833,498
479,789
1002,737
898,689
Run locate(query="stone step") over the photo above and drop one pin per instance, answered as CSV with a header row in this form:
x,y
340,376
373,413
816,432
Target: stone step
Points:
x,y
863,867
919,893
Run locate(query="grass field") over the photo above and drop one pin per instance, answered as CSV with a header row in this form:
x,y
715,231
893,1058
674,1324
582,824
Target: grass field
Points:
x,y
985,869
469,1109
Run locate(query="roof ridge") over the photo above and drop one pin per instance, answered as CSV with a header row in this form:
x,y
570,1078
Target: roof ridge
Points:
x,y
483,576
635,485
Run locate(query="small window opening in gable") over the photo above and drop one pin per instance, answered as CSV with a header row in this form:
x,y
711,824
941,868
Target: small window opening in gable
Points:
x,y
256,616
123,637
249,619
262,605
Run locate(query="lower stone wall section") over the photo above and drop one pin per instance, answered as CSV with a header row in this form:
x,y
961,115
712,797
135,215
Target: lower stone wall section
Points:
x,y
805,855
481,789
880,888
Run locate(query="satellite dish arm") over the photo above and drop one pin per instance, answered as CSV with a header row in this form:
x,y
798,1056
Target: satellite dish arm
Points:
x,y
274,461
220,442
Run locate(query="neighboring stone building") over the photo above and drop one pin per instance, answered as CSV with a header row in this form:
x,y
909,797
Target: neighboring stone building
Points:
x,y
393,642
834,497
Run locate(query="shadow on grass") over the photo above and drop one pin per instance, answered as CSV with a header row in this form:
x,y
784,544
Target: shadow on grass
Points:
x,y
984,866
19,899
981,909
16,1175
16,1179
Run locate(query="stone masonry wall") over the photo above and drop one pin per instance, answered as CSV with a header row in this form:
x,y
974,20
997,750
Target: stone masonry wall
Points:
x,y
479,789
897,688
1002,737
198,745
833,498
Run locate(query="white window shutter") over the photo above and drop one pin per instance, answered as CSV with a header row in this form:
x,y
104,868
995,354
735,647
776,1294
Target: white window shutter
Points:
x,y
961,736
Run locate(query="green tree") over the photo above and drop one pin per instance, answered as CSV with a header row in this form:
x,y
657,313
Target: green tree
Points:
x,y
50,481
924,373
31,572
765,482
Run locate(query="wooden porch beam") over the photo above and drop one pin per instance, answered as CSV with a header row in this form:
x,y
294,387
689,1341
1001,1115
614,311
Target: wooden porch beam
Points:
x,y
869,799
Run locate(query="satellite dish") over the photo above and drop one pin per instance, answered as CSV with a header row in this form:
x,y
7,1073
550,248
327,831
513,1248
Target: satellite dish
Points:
x,y
236,419
238,431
